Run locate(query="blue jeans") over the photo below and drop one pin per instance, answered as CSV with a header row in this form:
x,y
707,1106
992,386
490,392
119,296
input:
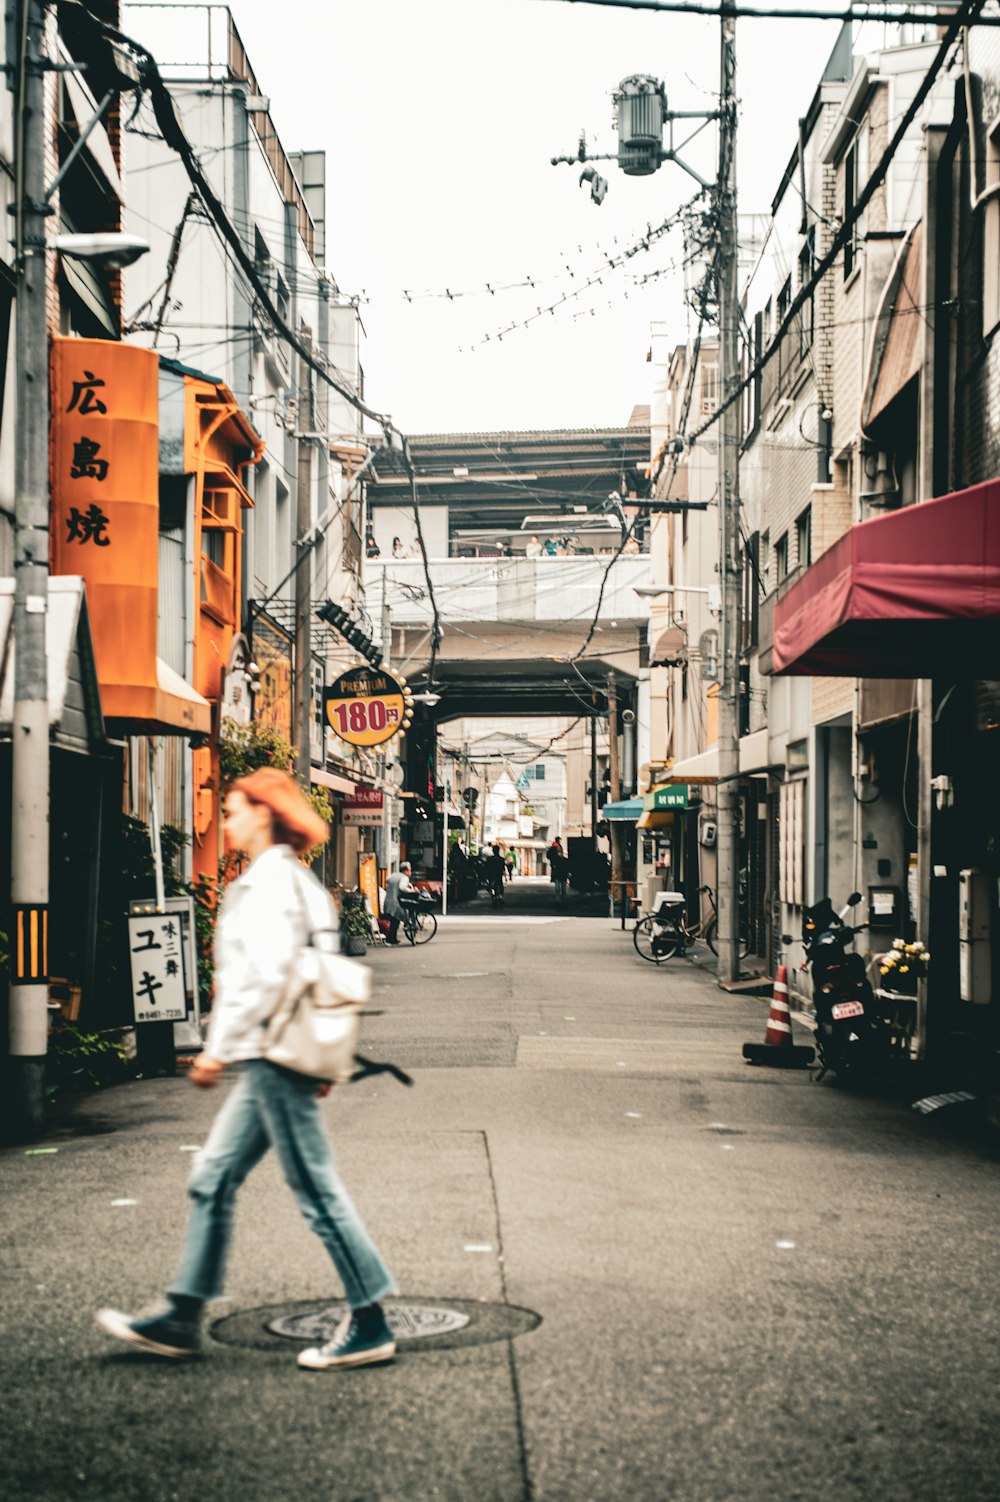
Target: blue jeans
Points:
x,y
270,1107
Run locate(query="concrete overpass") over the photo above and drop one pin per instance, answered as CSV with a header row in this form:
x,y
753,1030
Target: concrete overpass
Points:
x,y
513,630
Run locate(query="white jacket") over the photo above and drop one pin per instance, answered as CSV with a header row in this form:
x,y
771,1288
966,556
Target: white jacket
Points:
x,y
265,918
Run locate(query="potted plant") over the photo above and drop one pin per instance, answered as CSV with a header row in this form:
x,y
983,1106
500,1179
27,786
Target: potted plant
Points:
x,y
355,927
903,965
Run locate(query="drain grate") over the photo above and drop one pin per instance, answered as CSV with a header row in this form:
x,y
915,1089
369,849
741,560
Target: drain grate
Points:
x,y
439,1325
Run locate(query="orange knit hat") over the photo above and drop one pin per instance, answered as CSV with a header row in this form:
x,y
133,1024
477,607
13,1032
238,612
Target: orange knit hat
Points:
x,y
296,822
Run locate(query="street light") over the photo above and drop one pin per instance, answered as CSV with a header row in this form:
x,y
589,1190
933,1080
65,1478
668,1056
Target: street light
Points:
x,y
112,249
653,591
650,591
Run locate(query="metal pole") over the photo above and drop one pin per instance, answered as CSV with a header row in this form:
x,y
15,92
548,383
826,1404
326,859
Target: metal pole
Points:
x,y
444,848
302,703
154,825
593,780
386,662
729,512
614,792
29,884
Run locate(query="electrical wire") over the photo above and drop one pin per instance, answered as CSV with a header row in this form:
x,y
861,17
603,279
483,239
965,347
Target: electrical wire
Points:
x,y
958,20
174,137
927,13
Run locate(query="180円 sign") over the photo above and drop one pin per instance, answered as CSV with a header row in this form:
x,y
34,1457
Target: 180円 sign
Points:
x,y
367,706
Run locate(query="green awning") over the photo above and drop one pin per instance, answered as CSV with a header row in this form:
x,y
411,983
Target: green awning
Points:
x,y
627,811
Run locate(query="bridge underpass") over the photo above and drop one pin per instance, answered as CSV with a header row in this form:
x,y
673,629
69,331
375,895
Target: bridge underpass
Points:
x,y
533,601
513,648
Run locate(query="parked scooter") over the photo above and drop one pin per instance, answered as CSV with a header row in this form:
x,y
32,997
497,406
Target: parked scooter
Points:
x,y
847,1025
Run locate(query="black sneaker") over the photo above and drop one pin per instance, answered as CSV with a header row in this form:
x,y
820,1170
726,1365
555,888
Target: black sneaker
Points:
x,y
162,1333
356,1342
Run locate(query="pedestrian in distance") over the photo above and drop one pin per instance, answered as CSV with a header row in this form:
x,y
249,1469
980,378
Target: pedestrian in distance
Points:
x,y
398,883
534,548
495,872
398,551
558,868
267,915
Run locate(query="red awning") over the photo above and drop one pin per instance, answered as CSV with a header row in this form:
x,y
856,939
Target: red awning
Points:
x,y
915,594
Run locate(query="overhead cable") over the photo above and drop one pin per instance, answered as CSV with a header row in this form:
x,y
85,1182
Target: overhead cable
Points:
x,y
926,13
173,135
958,20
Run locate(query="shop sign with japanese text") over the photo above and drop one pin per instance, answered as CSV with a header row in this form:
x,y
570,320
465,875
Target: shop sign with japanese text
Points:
x,y
154,946
367,706
675,795
368,878
272,647
362,809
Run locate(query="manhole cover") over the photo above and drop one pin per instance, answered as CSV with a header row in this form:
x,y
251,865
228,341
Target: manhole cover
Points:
x,y
406,1321
433,1325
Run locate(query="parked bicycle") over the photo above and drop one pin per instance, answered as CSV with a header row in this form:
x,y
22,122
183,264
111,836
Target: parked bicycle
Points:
x,y
418,922
665,931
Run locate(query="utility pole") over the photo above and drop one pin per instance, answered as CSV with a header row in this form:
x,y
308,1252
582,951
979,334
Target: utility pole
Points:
x,y
593,777
615,787
729,517
29,885
386,628
302,427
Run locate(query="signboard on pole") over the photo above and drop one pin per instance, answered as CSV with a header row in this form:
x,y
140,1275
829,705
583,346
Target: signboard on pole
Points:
x,y
368,879
155,954
362,809
187,1034
367,706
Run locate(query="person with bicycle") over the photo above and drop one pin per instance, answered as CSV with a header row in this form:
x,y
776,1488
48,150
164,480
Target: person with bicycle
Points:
x,y
496,870
398,883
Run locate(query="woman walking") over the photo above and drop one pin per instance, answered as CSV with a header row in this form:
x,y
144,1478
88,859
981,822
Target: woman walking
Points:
x,y
265,918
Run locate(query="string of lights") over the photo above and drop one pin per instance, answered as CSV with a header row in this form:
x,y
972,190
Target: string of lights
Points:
x,y
688,210
958,20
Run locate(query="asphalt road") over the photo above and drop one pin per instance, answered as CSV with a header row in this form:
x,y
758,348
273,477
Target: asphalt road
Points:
x,y
739,1284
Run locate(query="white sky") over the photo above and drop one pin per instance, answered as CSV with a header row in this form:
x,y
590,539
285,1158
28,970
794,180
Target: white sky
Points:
x,y
439,118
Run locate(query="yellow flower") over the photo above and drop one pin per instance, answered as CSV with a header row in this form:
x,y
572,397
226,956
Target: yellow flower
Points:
x,y
903,969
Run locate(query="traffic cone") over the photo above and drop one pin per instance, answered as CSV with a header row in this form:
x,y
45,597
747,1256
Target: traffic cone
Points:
x,y
777,1050
779,1022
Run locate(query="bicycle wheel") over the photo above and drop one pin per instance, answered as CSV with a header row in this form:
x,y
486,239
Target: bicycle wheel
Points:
x,y
423,928
712,937
652,945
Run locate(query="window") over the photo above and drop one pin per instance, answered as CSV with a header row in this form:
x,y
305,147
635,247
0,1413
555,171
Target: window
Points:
x,y
803,538
991,235
764,561
781,558
768,322
281,298
784,300
709,389
751,593
807,312
791,831
851,174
